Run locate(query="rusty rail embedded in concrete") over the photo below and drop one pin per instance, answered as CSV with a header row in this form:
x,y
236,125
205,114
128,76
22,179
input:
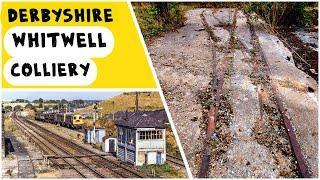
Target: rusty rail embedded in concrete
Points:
x,y
213,112
292,137
214,66
295,146
212,122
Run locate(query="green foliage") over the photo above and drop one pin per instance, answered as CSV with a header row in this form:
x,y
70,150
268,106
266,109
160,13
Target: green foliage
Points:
x,y
8,108
17,108
155,18
21,101
45,171
29,106
280,13
164,170
98,146
171,144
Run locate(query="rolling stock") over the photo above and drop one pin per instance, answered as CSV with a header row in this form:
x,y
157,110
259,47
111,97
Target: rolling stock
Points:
x,y
69,120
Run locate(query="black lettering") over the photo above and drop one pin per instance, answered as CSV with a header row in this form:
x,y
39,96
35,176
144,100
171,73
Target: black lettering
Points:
x,y
61,69
91,44
12,15
53,70
54,38
107,15
88,15
18,39
34,39
72,69
80,40
26,69
96,15
36,72
45,15
101,44
45,72
34,15
23,15
57,13
79,15
67,39
85,68
15,65
66,12
43,39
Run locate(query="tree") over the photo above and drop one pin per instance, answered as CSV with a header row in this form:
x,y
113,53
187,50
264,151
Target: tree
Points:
x,y
21,101
40,105
29,106
18,108
40,100
8,108
63,101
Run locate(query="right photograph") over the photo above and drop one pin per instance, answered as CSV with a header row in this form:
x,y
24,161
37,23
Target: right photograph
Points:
x,y
241,83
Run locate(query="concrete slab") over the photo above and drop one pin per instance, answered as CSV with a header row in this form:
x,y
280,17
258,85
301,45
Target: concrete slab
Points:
x,y
299,93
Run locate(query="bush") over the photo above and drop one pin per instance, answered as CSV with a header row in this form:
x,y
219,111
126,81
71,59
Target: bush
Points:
x,y
9,126
280,13
164,170
158,17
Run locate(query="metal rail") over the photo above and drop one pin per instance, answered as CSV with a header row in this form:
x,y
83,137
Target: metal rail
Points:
x,y
116,168
295,146
119,169
25,127
175,160
213,112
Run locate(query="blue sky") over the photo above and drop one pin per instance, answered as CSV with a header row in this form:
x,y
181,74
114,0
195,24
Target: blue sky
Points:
x,y
70,95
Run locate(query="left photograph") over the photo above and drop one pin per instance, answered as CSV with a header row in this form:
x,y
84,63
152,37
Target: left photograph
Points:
x,y
75,134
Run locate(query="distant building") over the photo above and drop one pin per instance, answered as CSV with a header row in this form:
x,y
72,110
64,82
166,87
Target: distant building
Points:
x,y
141,139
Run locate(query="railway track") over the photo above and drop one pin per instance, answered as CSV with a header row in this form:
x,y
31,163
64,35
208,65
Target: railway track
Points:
x,y
49,149
217,85
217,89
175,161
295,146
100,167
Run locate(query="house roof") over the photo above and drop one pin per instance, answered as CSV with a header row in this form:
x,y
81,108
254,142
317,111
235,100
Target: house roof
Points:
x,y
141,119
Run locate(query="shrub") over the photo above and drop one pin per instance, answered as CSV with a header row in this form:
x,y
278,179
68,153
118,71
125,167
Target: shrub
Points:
x,y
158,17
280,13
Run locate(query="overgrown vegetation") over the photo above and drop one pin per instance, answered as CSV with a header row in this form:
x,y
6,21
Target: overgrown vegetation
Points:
x,y
171,144
158,17
164,170
9,126
297,14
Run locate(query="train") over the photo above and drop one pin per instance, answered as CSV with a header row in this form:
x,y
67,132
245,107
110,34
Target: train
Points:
x,y
69,120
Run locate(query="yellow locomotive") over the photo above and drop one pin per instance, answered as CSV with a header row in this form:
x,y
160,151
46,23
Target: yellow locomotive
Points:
x,y
69,120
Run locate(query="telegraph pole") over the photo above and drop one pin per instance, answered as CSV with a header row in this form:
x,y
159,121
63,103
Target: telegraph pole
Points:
x,y
96,108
